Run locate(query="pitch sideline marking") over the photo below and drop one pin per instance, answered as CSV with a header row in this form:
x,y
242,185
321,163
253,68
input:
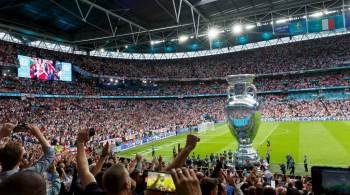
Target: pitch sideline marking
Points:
x,y
285,131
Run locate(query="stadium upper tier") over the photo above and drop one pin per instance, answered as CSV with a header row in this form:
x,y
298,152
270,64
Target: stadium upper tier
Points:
x,y
303,55
264,84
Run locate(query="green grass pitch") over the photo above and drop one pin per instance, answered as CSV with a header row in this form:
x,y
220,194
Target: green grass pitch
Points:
x,y
324,142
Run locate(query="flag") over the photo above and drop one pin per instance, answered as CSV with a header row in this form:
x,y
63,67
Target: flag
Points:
x,y
328,24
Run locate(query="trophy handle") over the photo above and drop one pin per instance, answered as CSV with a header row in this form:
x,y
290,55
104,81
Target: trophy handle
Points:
x,y
251,90
230,91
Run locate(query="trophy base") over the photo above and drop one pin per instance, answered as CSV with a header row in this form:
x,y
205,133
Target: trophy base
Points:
x,y
246,156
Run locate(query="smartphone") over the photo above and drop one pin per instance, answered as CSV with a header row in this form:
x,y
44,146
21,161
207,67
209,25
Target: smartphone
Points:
x,y
21,127
273,184
330,180
92,132
160,181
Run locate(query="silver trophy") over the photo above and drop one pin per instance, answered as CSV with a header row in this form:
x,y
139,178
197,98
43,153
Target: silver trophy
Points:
x,y
243,117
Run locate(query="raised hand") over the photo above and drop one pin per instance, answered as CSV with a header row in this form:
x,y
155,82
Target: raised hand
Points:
x,y
83,136
191,142
186,182
228,179
34,129
106,150
6,129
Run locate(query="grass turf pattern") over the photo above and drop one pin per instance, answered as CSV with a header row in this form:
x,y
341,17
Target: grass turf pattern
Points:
x,y
324,142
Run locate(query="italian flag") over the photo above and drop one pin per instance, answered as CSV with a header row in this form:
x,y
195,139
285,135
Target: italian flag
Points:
x,y
328,24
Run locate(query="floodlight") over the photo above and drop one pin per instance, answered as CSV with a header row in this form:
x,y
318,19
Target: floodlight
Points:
x,y
213,33
183,38
329,12
282,20
237,29
157,42
317,14
249,26
102,50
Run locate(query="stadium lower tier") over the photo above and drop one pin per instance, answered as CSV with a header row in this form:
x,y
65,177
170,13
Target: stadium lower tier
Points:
x,y
128,119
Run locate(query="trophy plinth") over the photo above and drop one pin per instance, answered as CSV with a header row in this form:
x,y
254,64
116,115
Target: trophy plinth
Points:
x,y
243,117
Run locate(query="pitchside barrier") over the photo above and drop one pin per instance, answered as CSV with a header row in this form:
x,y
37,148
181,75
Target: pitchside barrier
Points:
x,y
330,118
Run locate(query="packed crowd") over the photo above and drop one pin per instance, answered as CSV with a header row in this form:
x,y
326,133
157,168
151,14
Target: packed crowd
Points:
x,y
311,54
32,129
126,120
11,84
86,172
92,170
277,107
302,81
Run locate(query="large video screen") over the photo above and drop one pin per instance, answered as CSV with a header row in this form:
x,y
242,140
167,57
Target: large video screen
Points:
x,y
37,68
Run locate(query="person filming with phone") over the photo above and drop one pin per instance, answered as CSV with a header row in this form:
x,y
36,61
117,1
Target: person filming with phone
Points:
x,y
12,153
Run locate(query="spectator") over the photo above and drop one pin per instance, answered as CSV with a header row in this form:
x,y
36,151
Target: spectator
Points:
x,y
12,154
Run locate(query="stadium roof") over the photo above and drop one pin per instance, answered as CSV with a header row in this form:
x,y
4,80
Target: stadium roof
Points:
x,y
91,24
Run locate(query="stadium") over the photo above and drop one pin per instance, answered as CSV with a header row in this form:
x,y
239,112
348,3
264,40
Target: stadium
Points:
x,y
184,97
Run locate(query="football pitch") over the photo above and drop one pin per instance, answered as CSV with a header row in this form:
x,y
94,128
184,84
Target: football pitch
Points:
x,y
324,142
